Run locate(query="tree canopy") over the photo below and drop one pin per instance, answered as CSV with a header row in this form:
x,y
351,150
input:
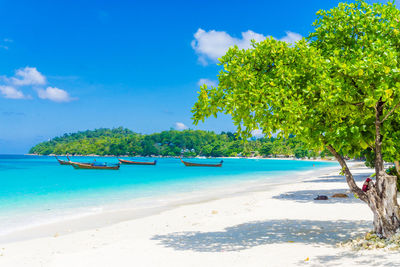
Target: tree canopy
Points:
x,y
322,89
338,88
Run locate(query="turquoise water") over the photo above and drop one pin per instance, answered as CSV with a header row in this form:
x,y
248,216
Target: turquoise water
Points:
x,y
34,189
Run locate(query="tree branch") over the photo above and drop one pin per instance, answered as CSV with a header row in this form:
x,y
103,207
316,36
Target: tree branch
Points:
x,y
390,112
349,176
357,104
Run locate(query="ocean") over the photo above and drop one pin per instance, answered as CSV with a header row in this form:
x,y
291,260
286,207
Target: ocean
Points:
x,y
36,189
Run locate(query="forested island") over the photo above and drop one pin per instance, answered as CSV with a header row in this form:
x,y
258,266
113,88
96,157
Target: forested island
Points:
x,y
190,143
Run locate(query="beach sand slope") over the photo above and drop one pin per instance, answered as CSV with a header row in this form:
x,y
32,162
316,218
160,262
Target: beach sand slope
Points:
x,y
282,226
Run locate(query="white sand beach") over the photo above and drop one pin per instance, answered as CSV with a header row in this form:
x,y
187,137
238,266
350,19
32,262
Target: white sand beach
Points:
x,y
277,226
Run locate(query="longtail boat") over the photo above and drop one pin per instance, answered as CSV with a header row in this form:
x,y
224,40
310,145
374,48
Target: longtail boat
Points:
x,y
124,161
63,162
69,162
94,166
192,164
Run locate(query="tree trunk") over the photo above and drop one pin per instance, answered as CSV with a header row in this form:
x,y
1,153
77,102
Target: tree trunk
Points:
x,y
397,165
384,206
381,198
379,168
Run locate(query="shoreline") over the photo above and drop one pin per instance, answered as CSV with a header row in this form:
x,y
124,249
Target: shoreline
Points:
x,y
278,225
329,159
115,213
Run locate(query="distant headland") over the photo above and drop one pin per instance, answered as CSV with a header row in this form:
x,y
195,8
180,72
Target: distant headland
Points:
x,y
171,143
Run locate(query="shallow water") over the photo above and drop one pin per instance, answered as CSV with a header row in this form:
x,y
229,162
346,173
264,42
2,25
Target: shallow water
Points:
x,y
36,189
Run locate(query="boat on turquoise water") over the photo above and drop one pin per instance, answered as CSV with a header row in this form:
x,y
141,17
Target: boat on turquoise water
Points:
x,y
95,166
193,164
69,162
63,162
129,162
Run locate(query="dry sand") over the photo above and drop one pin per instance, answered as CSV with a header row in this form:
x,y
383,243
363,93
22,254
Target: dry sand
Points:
x,y
281,226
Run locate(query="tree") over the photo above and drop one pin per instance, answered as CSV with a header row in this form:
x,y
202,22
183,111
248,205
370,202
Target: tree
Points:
x,y
266,149
338,89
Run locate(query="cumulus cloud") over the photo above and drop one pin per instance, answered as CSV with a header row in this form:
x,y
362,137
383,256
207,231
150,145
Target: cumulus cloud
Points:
x,y
211,45
54,94
208,82
291,37
180,126
11,92
257,133
28,76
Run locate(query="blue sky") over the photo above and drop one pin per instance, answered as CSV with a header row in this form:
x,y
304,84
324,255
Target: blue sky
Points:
x,y
75,65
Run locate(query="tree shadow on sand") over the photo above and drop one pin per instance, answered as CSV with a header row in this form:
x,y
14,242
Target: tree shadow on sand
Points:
x,y
338,178
244,236
304,196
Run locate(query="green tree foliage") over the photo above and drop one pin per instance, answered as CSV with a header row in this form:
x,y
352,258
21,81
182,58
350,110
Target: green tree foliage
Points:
x,y
337,90
122,141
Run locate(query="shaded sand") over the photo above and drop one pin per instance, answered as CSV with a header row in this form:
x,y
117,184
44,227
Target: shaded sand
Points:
x,y
279,226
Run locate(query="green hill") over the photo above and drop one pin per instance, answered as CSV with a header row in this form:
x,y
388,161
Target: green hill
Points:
x,y
121,141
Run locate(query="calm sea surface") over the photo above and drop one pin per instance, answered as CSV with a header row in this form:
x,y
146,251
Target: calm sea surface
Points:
x,y
36,189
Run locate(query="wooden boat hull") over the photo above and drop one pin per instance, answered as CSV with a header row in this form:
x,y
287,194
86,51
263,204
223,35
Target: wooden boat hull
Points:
x,y
83,166
64,162
192,164
129,162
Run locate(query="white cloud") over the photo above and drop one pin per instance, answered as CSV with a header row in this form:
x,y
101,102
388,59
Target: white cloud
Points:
x,y
208,82
31,78
211,45
291,37
180,126
257,133
28,76
4,47
11,92
8,40
54,94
